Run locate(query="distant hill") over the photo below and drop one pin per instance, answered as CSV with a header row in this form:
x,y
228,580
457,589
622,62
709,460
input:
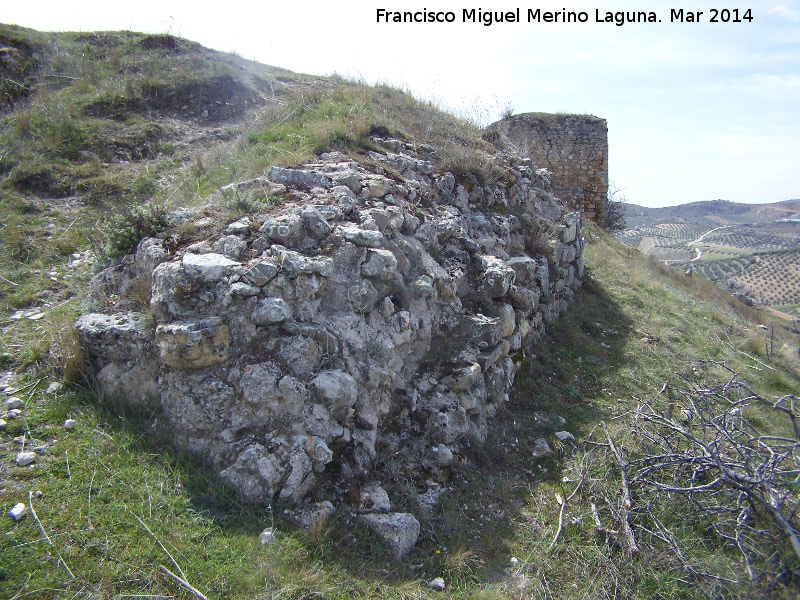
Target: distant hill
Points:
x,y
711,212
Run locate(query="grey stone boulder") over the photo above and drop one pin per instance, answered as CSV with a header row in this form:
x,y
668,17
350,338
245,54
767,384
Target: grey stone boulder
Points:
x,y
525,269
271,311
398,531
374,499
283,230
482,331
497,276
541,449
232,246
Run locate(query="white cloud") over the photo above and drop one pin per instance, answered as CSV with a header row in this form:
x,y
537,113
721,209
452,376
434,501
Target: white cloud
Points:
x,y
786,12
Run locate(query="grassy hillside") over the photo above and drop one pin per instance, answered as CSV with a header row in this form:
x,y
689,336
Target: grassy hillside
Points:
x,y
114,501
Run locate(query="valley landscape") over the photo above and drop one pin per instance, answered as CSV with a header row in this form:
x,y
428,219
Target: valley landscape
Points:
x,y
751,249
188,414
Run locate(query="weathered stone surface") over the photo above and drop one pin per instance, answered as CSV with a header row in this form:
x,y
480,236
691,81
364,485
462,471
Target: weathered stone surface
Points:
x,y
115,337
129,380
261,273
336,388
497,276
463,378
374,499
294,263
232,246
194,345
284,230
353,323
482,331
380,264
315,223
208,267
399,531
362,237
271,311
298,177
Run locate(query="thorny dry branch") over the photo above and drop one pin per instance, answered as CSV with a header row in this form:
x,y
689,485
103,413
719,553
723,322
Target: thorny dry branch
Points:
x,y
734,475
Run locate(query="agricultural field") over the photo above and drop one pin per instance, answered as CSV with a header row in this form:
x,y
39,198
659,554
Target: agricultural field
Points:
x,y
758,260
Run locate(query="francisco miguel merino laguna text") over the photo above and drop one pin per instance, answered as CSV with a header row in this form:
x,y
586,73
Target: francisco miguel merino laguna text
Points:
x,y
619,18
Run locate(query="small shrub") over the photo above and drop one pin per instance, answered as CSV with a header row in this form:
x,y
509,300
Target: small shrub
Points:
x,y
133,223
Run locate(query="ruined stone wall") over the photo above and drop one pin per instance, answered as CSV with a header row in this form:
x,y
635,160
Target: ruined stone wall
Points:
x,y
573,147
366,311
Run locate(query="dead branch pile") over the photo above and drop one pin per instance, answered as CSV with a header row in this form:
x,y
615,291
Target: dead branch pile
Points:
x,y
712,453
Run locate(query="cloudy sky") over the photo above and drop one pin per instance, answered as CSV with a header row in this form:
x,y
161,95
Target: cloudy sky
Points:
x,y
695,111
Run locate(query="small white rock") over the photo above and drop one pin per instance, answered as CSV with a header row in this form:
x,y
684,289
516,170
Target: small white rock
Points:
x,y
266,537
514,561
54,387
2,424
17,512
23,459
437,584
14,413
14,402
70,424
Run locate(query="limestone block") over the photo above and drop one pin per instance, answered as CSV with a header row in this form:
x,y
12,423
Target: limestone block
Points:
x,y
380,264
497,276
362,295
315,224
298,177
336,388
525,269
271,311
284,229
206,267
232,246
194,345
130,381
294,263
301,477
508,324
463,378
117,337
350,178
378,186
399,531
240,227
481,330
362,237
150,252
374,499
